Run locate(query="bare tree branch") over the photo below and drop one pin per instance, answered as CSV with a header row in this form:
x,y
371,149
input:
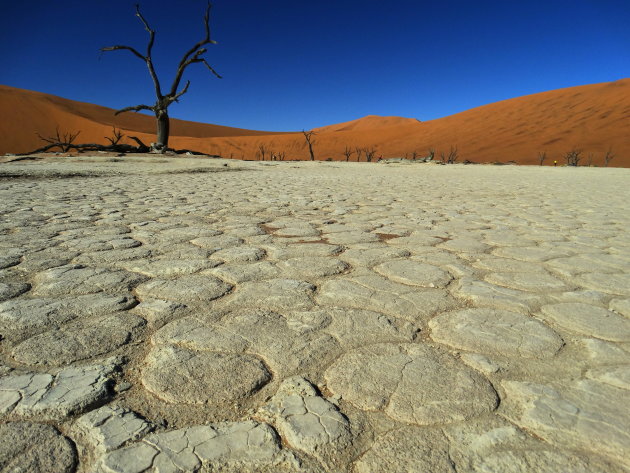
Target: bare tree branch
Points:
x,y
148,59
63,141
211,69
116,136
140,143
148,28
182,92
136,108
196,51
119,47
43,149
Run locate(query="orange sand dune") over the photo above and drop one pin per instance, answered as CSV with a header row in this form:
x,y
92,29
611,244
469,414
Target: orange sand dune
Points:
x,y
26,113
591,118
370,122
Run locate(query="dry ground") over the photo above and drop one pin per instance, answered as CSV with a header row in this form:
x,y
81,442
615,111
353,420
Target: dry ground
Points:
x,y
175,314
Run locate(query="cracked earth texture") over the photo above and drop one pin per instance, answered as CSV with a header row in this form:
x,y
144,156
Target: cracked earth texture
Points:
x,y
197,315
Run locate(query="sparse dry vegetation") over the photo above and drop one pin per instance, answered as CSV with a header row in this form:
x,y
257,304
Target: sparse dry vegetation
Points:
x,y
369,153
608,157
263,151
573,157
62,140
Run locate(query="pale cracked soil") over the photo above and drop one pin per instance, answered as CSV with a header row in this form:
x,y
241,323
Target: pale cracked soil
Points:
x,y
166,314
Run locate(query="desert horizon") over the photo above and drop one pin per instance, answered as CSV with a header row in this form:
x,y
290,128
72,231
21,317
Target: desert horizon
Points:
x,y
592,118
180,295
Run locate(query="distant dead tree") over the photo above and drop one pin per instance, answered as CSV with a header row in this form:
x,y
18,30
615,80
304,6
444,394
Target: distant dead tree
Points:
x,y
573,157
542,155
116,136
414,155
281,155
308,136
263,151
369,153
163,101
608,157
347,152
453,155
358,151
589,159
63,141
425,159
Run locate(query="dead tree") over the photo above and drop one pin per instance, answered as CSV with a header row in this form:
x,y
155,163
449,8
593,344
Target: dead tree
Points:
x,y
573,157
358,151
163,101
116,136
608,157
142,148
347,152
61,140
589,161
453,155
308,136
425,159
263,150
542,155
369,154
281,155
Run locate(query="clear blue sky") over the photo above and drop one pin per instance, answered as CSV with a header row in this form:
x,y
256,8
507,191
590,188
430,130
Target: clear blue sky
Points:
x,y
291,64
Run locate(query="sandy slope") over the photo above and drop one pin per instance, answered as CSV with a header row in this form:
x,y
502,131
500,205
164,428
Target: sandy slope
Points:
x,y
592,118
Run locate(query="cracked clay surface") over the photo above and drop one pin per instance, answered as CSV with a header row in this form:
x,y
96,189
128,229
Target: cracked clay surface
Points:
x,y
175,316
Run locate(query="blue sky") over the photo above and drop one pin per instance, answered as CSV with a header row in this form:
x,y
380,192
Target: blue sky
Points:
x,y
292,65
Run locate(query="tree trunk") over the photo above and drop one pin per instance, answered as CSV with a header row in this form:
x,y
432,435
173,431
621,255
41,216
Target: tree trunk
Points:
x,y
163,129
310,150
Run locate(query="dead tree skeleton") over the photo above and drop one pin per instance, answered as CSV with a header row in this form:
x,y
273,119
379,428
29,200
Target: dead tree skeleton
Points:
x,y
347,152
358,151
64,141
369,153
263,151
608,157
308,136
573,157
163,101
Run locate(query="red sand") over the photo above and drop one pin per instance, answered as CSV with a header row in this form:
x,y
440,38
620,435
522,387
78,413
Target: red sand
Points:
x,y
592,118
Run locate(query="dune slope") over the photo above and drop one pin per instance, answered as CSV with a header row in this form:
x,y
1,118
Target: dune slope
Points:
x,y
592,118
